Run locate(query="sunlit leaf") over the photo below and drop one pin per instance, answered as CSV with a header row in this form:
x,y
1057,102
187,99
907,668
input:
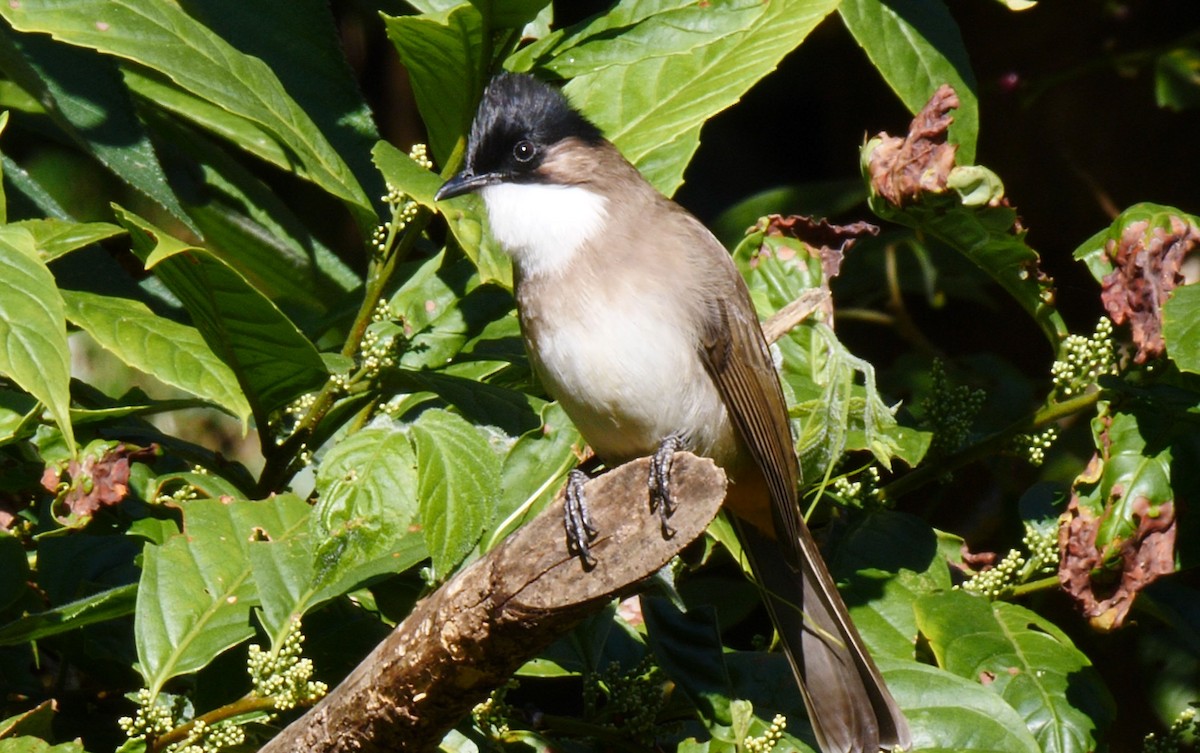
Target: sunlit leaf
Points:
x,y
916,46
1025,660
459,479
273,361
196,590
172,352
654,107
363,525
442,53
162,37
1181,327
87,100
33,331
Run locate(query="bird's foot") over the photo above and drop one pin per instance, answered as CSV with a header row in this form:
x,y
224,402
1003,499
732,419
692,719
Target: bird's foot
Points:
x,y
577,520
660,481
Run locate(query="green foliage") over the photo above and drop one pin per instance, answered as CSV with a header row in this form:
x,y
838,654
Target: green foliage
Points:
x,y
258,252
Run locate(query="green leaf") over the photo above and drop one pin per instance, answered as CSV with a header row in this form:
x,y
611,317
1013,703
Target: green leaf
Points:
x,y
101,607
654,107
37,745
464,214
1177,79
459,480
534,470
85,97
54,237
688,648
510,14
196,593
442,54
366,509
300,43
247,224
1025,660
442,305
273,361
885,564
35,192
33,329
1134,467
832,412
283,566
631,32
162,37
3,197
916,46
402,173
172,352
19,413
948,714
37,721
989,236
1181,327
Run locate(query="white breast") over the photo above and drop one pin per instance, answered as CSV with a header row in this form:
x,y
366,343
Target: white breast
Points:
x,y
542,226
611,344
629,377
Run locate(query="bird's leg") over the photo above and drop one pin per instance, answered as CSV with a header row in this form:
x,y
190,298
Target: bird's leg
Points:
x,y
660,480
577,520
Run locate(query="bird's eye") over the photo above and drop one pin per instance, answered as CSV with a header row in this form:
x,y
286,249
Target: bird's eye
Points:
x,y
524,150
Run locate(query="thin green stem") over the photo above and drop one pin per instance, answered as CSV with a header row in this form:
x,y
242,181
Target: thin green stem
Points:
x,y
1044,416
245,705
1048,583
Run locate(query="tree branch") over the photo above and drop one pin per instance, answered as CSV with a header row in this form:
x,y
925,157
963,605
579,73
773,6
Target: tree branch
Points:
x,y
469,636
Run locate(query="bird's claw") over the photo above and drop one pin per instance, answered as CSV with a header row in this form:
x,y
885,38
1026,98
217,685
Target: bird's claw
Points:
x,y
660,481
577,520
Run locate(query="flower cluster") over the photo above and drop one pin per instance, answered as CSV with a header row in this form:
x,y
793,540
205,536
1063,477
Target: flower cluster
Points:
x,y
632,700
403,209
950,411
1033,447
285,676
769,739
293,414
1175,740
494,714
155,716
861,492
1084,360
1017,568
209,738
377,350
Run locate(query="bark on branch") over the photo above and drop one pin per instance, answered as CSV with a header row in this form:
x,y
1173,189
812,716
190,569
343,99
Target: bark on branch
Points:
x,y
470,635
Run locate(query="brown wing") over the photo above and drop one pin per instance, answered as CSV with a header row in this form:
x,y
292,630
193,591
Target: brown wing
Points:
x,y
737,359
849,704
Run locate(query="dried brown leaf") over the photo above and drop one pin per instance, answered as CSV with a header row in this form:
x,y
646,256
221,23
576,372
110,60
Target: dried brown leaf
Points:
x,y
829,241
94,481
1148,263
901,169
1145,556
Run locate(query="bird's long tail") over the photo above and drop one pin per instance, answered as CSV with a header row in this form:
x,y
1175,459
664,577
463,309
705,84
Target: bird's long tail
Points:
x,y
848,703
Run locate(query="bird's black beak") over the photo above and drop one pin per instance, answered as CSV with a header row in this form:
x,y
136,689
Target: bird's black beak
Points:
x,y
464,182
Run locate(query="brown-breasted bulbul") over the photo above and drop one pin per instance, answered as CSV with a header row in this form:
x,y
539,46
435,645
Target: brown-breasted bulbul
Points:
x,y
637,321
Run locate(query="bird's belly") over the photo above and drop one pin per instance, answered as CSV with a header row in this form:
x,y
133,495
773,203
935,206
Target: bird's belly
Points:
x,y
628,381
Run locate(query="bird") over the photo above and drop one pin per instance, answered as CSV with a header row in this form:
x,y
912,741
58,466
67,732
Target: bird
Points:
x,y
637,322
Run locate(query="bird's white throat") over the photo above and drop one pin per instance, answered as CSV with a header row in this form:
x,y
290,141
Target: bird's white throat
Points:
x,y
542,226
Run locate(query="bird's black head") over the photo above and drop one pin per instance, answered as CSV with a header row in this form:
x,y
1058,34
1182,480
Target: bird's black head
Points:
x,y
518,120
